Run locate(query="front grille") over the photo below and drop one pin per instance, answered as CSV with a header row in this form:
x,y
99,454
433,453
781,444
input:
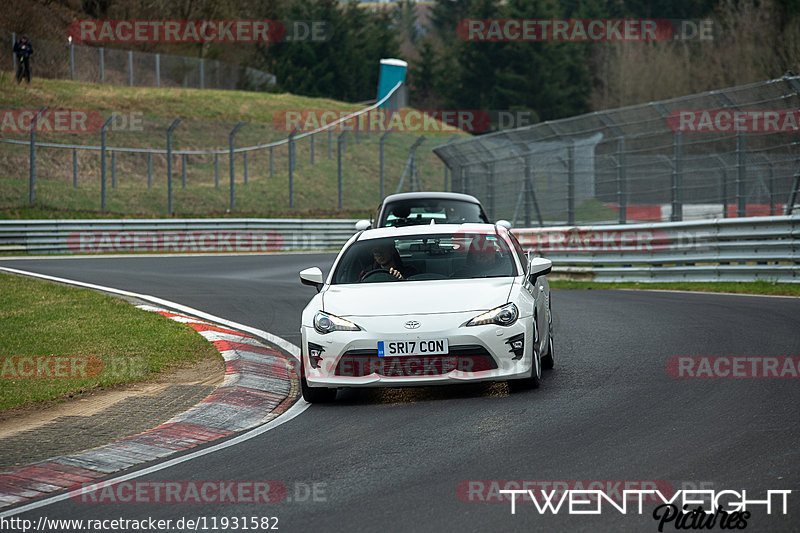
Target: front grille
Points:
x,y
470,358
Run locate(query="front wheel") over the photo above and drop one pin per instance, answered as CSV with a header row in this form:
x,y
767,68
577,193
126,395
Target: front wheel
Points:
x,y
314,394
548,361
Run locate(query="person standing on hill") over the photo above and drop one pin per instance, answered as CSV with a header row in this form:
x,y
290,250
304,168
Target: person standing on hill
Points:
x,y
23,50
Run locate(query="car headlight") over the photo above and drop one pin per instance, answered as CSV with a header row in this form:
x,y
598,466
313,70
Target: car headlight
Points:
x,y
504,315
326,323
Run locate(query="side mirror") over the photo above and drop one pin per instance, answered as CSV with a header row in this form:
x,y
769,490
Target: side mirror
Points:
x,y
361,225
503,224
312,276
539,266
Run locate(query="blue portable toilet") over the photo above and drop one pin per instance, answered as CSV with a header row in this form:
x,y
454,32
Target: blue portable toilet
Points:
x,y
392,72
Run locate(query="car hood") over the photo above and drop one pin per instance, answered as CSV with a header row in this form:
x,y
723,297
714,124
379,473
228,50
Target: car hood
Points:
x,y
416,297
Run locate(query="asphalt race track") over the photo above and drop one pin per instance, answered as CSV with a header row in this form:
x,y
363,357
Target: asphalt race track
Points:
x,y
421,459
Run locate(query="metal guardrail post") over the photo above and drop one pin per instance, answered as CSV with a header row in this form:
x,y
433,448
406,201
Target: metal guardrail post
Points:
x,y
113,169
571,184
158,70
446,168
271,161
75,167
102,65
741,175
202,73
149,170
183,171
169,164
410,165
677,178
291,169
103,163
771,186
530,196
339,141
245,167
622,182
230,152
292,154
380,144
723,186
793,195
32,161
71,59
216,171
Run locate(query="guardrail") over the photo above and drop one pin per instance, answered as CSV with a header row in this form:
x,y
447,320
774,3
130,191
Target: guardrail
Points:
x,y
746,249
177,235
754,248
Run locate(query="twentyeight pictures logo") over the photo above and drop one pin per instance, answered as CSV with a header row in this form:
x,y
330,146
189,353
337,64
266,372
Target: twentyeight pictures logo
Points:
x,y
198,31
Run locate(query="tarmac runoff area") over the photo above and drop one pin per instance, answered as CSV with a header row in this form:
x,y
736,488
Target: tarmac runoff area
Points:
x,y
260,384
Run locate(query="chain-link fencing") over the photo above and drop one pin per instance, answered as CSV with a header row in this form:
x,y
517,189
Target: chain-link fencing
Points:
x,y
97,64
135,164
728,153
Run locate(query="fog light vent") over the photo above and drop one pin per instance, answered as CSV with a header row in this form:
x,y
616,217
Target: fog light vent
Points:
x,y
516,345
315,354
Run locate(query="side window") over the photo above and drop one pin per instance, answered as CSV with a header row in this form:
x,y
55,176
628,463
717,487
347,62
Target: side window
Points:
x,y
523,259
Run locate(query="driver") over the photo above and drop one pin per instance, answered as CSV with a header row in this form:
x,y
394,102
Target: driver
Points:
x,y
386,257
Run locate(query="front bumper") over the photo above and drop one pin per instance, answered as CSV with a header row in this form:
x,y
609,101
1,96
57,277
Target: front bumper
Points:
x,y
476,353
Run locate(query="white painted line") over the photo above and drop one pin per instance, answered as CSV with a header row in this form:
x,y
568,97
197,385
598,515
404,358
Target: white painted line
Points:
x,y
299,406
707,292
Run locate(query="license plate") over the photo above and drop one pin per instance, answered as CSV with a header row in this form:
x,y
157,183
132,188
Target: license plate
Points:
x,y
417,347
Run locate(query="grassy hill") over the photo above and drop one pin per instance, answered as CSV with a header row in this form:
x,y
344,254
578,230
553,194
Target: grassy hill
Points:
x,y
208,117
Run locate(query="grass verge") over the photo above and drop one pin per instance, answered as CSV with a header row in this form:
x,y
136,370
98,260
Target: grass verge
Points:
x,y
60,341
137,185
752,287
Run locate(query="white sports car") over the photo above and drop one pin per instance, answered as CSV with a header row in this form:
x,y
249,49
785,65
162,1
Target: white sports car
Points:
x,y
425,305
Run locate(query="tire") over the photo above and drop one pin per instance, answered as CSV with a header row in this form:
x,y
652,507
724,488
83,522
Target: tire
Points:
x,y
535,379
548,361
315,394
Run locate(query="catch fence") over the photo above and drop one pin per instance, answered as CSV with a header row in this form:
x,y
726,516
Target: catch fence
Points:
x,y
728,153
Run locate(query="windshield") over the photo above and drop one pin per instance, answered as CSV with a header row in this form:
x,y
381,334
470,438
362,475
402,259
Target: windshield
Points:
x,y
422,211
428,257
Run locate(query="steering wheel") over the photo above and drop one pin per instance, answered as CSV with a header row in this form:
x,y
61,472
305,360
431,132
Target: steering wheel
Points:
x,y
378,271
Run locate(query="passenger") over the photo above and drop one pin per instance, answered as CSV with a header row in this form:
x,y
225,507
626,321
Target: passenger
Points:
x,y
385,256
484,259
